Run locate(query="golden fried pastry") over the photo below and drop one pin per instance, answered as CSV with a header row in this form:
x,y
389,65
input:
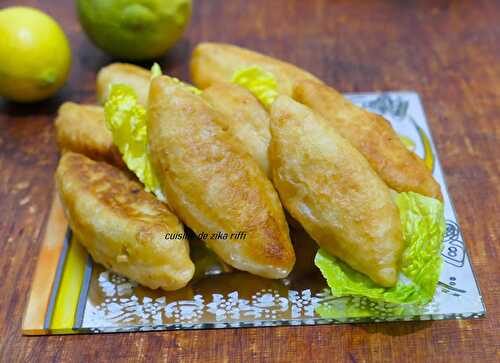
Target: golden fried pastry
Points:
x,y
330,188
373,136
213,186
244,117
217,62
81,129
123,73
123,227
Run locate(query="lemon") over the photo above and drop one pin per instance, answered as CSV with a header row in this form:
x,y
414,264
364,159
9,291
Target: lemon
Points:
x,y
35,56
134,30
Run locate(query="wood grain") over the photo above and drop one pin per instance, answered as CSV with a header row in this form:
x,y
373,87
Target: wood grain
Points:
x,y
446,50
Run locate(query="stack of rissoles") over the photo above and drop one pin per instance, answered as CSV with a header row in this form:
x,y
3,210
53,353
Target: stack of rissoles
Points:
x,y
256,145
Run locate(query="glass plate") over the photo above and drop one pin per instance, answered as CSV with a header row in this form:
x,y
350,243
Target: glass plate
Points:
x,y
71,294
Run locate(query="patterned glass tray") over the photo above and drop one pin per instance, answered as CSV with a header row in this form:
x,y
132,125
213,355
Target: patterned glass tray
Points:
x,y
71,294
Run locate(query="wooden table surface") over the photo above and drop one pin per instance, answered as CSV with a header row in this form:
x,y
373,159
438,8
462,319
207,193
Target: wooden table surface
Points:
x,y
448,51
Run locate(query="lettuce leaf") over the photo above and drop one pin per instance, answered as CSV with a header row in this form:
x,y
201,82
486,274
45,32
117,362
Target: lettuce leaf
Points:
x,y
126,120
423,225
261,83
156,71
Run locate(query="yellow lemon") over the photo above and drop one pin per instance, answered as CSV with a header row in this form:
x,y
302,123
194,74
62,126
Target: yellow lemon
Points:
x,y
35,56
134,30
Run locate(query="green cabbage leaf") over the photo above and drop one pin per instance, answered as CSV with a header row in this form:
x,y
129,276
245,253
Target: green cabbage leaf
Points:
x,y
423,226
261,83
126,119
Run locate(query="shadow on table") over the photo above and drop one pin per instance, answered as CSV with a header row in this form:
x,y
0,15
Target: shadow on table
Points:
x,y
45,107
396,328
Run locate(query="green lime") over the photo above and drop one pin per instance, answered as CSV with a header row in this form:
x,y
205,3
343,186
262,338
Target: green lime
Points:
x,y
134,30
35,56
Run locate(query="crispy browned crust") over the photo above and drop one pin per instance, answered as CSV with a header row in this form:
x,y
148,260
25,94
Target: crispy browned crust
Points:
x,y
81,129
217,62
212,185
122,226
330,188
373,136
123,73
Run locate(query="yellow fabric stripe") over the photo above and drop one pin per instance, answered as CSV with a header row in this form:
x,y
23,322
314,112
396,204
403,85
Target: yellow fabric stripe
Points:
x,y
46,270
66,304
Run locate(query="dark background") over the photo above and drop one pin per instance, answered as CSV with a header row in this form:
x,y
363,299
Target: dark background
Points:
x,y
448,51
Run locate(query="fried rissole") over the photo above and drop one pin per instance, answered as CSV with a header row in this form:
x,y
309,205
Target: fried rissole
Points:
x,y
123,73
217,62
244,117
330,188
81,129
212,185
373,136
122,226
